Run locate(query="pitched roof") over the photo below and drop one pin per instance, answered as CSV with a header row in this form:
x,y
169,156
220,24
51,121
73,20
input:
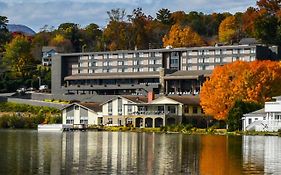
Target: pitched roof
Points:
x,y
191,74
260,111
186,100
248,41
136,99
96,107
48,48
93,106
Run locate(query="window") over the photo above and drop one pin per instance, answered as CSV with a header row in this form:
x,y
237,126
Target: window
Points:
x,y
186,109
152,61
253,50
83,120
252,58
194,110
172,109
135,69
201,67
217,52
76,107
249,121
136,62
189,60
241,51
109,108
201,60
120,70
69,120
89,64
130,109
217,60
105,63
235,51
110,56
120,55
120,105
94,64
152,54
235,59
224,51
105,70
189,67
200,52
206,60
109,121
151,69
141,69
120,63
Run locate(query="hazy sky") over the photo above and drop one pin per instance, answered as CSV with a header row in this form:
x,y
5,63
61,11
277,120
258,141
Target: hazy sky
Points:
x,y
37,13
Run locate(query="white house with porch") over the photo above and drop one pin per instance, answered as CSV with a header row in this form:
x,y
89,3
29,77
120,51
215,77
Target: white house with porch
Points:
x,y
82,114
267,119
142,111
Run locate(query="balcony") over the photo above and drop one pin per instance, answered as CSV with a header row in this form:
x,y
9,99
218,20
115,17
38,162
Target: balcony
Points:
x,y
112,86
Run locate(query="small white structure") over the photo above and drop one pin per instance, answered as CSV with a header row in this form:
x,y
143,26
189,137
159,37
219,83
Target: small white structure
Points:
x,y
267,119
78,114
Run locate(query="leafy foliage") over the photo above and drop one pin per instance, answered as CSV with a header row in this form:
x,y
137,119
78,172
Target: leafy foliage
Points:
x,y
18,56
228,29
236,113
182,37
256,81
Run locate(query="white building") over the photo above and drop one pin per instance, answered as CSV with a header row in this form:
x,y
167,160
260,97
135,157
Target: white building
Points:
x,y
267,119
82,114
149,112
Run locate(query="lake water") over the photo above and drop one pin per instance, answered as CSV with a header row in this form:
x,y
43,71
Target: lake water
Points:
x,y
30,152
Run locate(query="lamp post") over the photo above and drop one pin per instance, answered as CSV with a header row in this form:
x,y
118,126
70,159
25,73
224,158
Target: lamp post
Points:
x,y
39,82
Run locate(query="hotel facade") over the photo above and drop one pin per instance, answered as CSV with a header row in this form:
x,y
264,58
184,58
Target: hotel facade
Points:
x,y
135,72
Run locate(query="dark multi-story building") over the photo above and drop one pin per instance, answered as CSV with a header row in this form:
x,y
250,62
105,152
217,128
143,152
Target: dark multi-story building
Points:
x,y
164,71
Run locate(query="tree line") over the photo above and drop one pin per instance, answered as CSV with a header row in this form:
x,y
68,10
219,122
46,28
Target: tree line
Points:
x,y
179,29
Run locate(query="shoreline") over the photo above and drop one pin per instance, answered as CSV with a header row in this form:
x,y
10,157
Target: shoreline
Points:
x,y
194,131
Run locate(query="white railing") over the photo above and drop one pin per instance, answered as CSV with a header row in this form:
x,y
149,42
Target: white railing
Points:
x,y
262,125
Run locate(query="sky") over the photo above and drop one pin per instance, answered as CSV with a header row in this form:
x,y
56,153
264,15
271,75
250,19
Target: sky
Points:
x,y
37,13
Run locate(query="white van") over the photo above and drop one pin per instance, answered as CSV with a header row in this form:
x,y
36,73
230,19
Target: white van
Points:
x,y
43,87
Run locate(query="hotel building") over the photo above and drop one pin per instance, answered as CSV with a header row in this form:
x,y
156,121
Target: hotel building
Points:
x,y
136,72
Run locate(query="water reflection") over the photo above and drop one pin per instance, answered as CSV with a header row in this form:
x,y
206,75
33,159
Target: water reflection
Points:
x,y
261,155
29,152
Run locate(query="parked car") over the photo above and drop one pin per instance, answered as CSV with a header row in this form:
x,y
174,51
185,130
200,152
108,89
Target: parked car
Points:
x,y
21,90
43,87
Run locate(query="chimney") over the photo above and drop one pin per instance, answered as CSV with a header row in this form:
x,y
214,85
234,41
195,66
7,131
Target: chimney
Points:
x,y
150,96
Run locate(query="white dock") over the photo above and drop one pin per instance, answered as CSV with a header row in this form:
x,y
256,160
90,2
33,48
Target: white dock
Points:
x,y
53,127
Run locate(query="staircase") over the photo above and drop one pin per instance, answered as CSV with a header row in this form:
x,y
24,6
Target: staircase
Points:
x,y
263,125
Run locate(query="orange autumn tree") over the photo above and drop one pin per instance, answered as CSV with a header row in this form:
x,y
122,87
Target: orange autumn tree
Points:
x,y
182,37
256,81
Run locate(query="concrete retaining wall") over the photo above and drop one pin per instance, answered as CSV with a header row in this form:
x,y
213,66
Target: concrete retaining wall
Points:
x,y
36,103
84,98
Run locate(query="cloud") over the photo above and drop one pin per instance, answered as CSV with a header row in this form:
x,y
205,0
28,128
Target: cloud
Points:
x,y
37,13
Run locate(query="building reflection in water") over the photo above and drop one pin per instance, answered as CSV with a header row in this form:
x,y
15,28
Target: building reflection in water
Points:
x,y
261,155
123,153
29,152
